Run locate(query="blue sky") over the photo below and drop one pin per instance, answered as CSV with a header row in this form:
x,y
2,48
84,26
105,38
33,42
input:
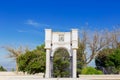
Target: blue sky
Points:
x,y
22,22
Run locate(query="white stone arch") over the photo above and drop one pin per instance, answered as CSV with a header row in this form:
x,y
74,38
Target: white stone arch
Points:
x,y
66,40
69,51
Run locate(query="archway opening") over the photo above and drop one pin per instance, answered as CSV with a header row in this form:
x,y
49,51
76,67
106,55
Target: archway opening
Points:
x,y
61,63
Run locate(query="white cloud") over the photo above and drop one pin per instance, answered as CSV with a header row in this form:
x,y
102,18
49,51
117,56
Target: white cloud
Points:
x,y
35,24
32,23
30,31
22,31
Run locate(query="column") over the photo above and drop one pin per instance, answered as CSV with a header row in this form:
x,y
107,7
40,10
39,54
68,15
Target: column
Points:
x,y
74,64
71,66
51,63
47,63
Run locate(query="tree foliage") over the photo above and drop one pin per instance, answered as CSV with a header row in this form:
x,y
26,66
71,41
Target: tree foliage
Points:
x,y
110,61
2,68
61,63
32,61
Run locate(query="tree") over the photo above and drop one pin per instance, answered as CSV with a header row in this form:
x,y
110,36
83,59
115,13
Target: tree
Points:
x,y
61,63
15,53
110,61
91,44
32,61
2,69
80,57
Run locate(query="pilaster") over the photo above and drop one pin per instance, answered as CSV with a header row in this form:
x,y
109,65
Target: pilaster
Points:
x,y
74,63
47,63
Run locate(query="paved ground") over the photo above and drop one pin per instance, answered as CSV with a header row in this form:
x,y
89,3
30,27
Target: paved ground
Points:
x,y
85,77
20,76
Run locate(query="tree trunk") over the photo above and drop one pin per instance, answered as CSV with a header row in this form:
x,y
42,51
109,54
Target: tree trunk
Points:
x,y
85,65
16,67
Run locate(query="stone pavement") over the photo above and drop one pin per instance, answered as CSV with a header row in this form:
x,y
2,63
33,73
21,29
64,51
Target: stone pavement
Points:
x,y
21,76
82,77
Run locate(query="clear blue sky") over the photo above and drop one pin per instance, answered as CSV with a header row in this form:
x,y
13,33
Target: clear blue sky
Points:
x,y
22,22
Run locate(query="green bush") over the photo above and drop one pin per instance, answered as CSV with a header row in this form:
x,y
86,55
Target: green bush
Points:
x,y
32,61
109,59
2,68
90,70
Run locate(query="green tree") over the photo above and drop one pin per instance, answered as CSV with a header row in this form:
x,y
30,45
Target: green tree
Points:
x,y
2,68
113,60
102,57
109,59
32,61
61,63
90,71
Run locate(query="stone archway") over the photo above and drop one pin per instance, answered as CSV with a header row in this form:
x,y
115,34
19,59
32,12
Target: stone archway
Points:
x,y
54,40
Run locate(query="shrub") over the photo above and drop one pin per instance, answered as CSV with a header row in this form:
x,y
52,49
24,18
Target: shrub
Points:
x,y
90,70
2,68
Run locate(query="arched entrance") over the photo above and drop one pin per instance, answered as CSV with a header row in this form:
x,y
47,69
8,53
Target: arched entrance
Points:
x,y
61,63
58,40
